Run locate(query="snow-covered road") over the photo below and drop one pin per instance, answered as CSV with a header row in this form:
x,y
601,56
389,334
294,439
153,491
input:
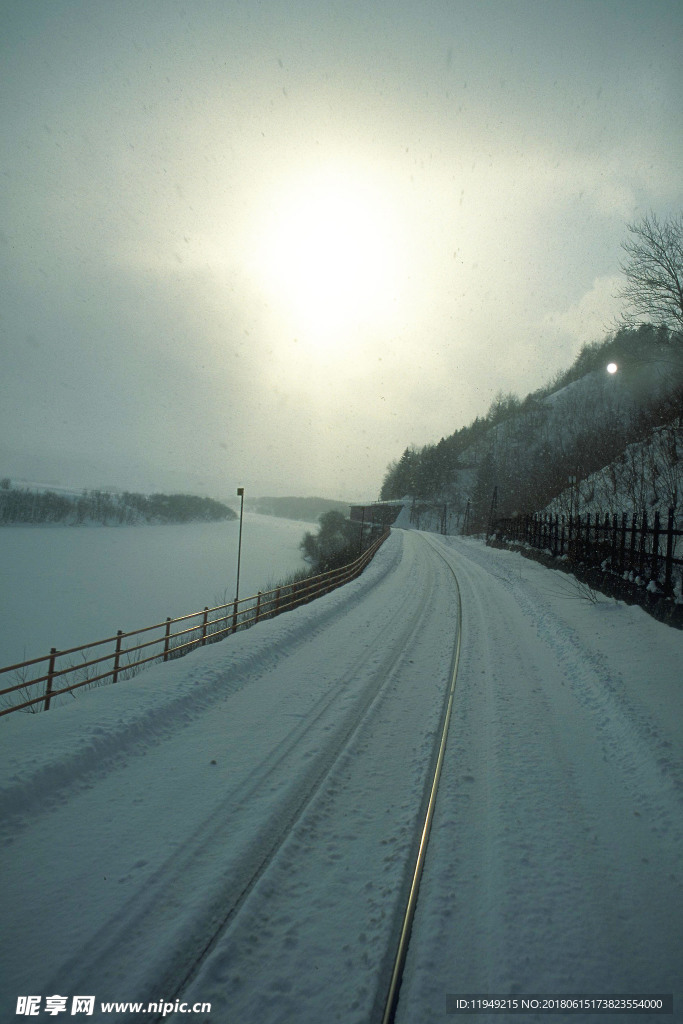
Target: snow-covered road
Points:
x,y
238,827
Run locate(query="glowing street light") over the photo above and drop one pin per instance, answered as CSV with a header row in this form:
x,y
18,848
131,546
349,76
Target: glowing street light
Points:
x,y
240,494
612,367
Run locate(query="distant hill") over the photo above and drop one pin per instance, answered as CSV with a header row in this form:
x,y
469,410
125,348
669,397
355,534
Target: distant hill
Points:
x,y
38,505
308,510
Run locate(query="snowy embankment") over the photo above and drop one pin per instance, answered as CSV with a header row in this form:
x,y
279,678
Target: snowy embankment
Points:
x,y
237,827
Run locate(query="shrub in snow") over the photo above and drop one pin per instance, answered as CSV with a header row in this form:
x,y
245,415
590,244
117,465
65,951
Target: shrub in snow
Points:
x,y
335,544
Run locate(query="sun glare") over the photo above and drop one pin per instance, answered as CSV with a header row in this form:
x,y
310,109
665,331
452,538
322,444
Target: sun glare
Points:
x,y
328,256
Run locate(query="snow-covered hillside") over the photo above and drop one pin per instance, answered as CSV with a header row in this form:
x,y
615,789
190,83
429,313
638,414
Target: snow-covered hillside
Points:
x,y
648,475
236,828
527,451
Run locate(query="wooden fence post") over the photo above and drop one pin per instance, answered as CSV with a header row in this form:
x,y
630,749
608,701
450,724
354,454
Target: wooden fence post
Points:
x,y
258,606
117,656
234,616
167,638
50,676
205,622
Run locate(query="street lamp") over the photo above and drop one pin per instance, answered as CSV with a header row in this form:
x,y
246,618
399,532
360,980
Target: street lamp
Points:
x,y
240,494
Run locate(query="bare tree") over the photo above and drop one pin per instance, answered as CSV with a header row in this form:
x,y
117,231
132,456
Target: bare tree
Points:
x,y
654,271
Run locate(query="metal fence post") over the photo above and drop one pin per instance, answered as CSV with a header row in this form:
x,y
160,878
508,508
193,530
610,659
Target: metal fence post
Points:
x,y
643,539
654,564
632,544
668,572
622,544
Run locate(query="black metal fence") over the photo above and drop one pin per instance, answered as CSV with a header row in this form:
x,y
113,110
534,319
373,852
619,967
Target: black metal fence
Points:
x,y
642,548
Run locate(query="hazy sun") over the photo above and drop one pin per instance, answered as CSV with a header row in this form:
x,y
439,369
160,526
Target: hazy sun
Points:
x,y
328,253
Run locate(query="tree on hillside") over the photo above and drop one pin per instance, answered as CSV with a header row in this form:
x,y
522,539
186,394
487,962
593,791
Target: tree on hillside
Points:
x,y
502,407
335,544
401,476
653,268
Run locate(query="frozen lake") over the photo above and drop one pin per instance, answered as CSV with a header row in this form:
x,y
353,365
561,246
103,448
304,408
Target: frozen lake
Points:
x,y
64,586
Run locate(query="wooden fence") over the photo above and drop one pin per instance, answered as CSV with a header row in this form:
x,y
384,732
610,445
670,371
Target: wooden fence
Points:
x,y
644,548
116,658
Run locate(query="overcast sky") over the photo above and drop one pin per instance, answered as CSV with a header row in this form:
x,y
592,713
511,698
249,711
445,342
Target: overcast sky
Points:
x,y
272,244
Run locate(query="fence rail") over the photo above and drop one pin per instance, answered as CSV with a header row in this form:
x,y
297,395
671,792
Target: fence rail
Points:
x,y
114,658
646,549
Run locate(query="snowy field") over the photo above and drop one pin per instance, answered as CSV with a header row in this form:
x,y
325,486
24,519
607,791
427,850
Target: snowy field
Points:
x,y
237,828
61,586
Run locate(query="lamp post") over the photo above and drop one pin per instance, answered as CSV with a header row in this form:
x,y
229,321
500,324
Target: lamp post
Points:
x,y
240,494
